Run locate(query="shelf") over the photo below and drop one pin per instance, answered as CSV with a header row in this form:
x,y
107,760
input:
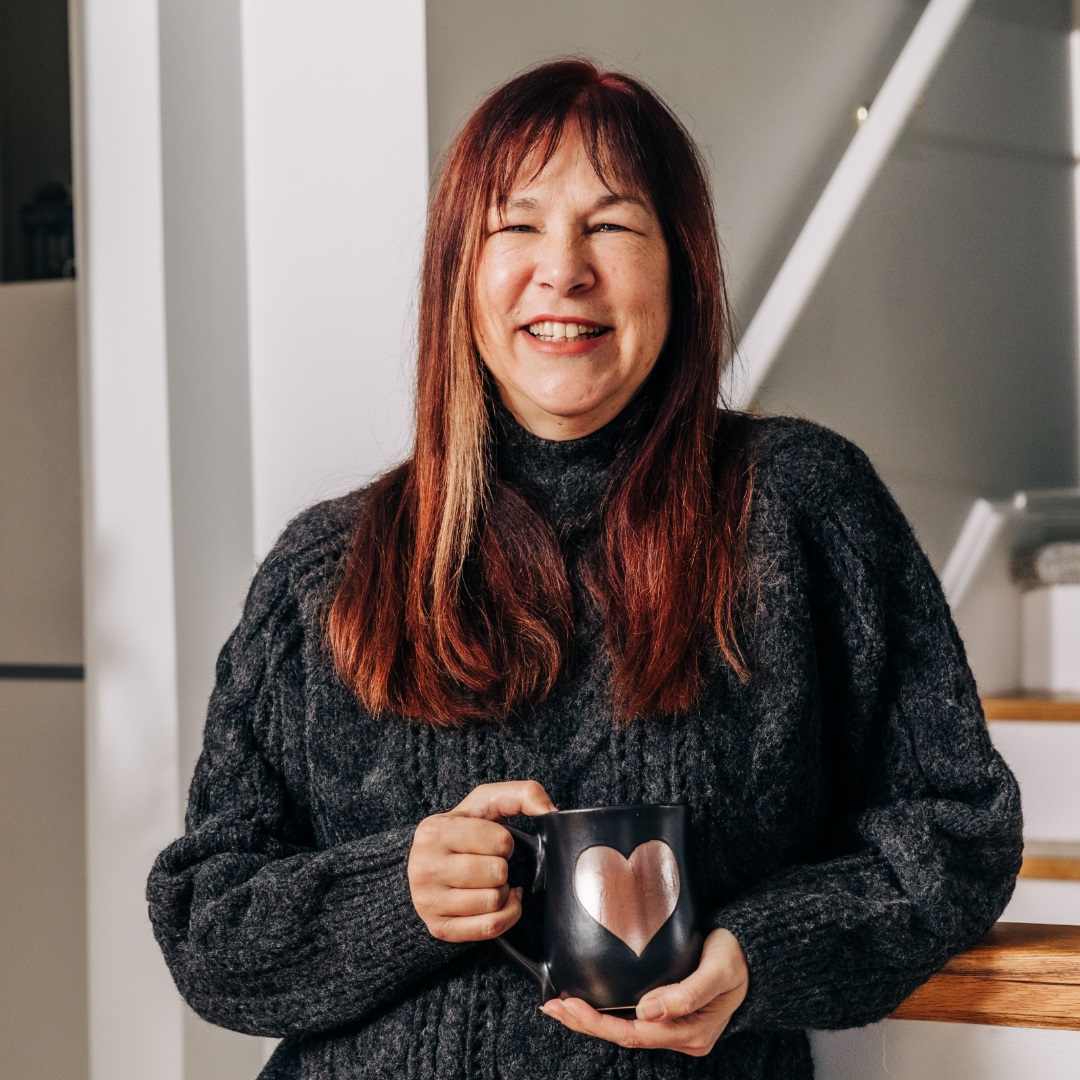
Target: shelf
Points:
x,y
1050,860
1026,705
1019,975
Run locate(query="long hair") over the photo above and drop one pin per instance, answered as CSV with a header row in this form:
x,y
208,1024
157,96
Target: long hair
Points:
x,y
454,604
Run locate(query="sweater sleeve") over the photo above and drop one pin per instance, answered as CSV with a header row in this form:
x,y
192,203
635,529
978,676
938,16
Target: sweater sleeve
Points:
x,y
262,932
925,856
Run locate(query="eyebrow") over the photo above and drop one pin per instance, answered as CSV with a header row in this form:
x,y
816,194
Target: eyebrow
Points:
x,y
525,203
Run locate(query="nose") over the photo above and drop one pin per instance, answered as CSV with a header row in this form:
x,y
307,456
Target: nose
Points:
x,y
564,264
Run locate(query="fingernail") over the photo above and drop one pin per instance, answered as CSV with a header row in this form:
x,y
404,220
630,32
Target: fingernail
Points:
x,y
650,1010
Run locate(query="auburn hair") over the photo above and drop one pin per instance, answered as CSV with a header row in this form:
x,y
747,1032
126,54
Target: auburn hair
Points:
x,y
454,603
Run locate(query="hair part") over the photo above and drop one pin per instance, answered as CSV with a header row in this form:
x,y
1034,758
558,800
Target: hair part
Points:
x,y
454,603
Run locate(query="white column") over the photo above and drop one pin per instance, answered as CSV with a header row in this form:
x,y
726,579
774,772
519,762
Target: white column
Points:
x,y
252,190
132,778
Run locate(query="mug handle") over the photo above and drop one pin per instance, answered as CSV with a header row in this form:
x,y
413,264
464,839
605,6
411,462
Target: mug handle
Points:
x,y
536,968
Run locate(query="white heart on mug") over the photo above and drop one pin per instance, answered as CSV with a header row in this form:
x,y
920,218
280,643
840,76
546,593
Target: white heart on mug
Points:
x,y
632,898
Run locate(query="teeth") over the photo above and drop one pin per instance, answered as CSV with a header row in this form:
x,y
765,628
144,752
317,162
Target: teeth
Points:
x,y
557,331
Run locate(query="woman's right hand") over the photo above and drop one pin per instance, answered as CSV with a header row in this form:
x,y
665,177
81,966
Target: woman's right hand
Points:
x,y
458,865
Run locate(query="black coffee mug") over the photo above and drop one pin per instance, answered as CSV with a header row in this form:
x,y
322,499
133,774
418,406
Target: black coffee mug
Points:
x,y
621,913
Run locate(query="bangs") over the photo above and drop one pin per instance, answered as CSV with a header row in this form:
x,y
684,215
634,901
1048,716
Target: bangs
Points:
x,y
608,121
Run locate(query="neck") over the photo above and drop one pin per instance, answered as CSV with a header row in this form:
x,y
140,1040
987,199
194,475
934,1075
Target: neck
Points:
x,y
568,476
562,428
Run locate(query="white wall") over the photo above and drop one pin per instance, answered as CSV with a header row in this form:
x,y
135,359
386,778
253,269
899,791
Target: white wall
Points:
x,y
335,145
920,1050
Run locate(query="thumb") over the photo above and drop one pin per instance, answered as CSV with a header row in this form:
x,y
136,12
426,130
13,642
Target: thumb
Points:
x,y
722,969
678,999
506,799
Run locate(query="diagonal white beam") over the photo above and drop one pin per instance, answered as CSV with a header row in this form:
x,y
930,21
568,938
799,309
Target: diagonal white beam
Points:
x,y
827,223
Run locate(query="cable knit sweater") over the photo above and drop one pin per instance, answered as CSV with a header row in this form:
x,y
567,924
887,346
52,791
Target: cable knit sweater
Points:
x,y
851,823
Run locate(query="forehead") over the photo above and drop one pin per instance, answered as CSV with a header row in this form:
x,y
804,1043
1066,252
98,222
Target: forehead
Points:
x,y
565,169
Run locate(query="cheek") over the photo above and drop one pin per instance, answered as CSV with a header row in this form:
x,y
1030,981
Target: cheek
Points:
x,y
500,281
660,290
653,310
643,283
487,305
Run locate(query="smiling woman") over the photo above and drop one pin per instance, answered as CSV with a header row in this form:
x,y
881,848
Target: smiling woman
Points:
x,y
590,585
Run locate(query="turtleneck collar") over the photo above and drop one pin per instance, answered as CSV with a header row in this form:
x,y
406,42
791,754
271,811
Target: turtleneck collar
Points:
x,y
568,477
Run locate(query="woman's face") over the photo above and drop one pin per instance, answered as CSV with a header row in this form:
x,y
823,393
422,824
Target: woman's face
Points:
x,y
571,297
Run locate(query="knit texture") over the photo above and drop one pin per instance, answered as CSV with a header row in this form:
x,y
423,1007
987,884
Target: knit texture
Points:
x,y
851,823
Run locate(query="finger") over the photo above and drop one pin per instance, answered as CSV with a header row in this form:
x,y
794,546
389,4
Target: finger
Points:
x,y
458,902
477,836
579,1016
481,927
506,799
458,871
444,833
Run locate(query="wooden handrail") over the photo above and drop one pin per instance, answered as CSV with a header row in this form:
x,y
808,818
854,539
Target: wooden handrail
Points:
x,y
1027,705
1019,975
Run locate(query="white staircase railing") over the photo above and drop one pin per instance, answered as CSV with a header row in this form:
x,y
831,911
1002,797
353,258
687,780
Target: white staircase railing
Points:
x,y
828,221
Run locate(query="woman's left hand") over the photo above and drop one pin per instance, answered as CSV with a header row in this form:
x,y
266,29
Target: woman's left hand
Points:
x,y
693,1013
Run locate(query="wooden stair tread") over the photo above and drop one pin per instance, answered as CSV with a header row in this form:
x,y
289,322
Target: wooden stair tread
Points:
x,y
1031,705
1019,975
1052,860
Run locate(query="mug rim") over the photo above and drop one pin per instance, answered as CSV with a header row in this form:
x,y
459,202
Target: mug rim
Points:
x,y
620,806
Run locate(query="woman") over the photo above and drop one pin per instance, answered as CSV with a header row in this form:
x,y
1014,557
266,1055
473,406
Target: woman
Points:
x,y
588,586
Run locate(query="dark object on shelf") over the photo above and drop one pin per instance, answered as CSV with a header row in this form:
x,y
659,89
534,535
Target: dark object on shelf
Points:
x,y
49,233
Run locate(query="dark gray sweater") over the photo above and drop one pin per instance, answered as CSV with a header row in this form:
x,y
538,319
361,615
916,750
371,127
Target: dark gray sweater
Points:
x,y
852,824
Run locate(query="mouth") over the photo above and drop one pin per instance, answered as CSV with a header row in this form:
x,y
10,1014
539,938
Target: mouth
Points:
x,y
555,330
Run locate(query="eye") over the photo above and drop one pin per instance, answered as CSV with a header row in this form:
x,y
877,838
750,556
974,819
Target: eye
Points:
x,y
609,226
517,229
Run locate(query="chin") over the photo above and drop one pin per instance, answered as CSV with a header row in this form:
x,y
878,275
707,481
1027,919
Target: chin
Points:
x,y
567,411
566,403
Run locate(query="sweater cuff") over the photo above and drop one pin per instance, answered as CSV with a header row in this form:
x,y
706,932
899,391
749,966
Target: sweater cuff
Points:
x,y
771,946
807,954
387,940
